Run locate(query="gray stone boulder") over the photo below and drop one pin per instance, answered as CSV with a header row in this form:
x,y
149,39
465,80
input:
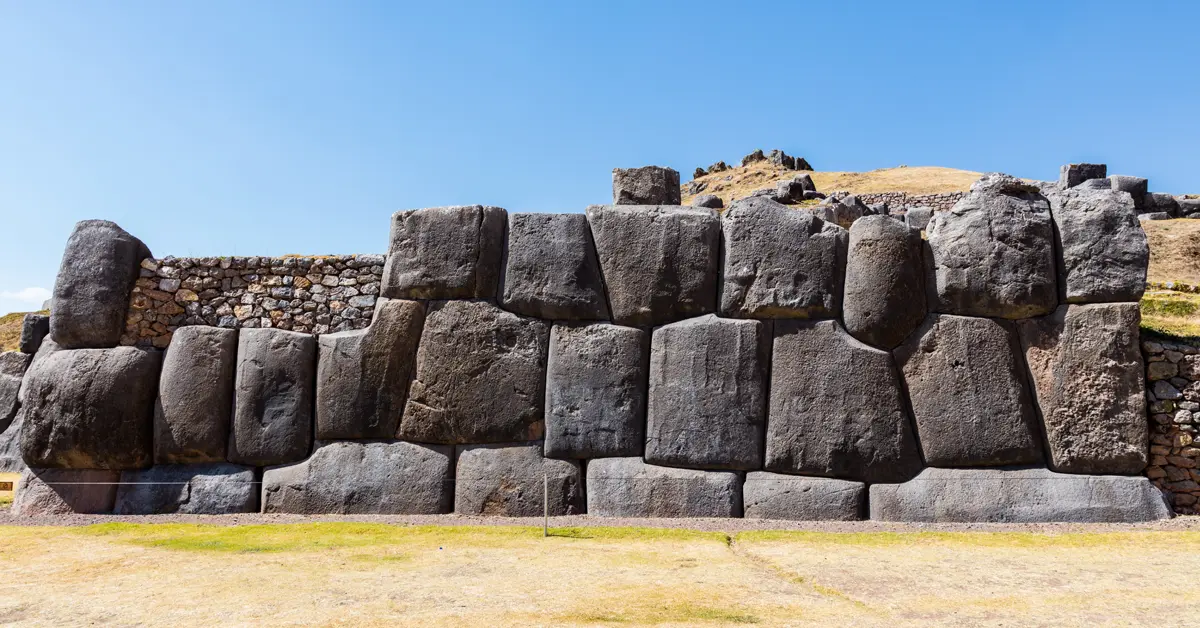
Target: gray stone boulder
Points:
x,y
1154,216
835,210
596,391
811,195
993,253
1157,202
660,264
445,253
12,369
1095,184
512,481
480,376
836,407
273,397
377,478
753,157
1189,207
790,191
1136,187
885,281
628,487
649,185
201,489
1017,496
10,447
780,262
707,402
1071,175
34,328
708,200
65,492
551,270
968,394
195,396
1086,368
1104,250
800,498
91,294
918,217
363,376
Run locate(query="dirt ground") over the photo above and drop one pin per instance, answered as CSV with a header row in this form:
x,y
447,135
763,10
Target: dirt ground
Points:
x,y
1174,250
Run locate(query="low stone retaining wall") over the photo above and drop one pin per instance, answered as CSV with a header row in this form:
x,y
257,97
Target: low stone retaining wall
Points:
x,y
904,200
1173,378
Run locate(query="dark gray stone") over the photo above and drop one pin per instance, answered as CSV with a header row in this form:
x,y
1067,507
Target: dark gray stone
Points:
x,y
885,281
509,481
659,263
445,253
12,369
65,492
596,391
649,185
34,328
1189,207
835,211
1157,202
10,447
480,376
195,396
806,182
811,195
273,397
799,498
753,157
790,191
708,200
918,217
1104,250
91,293
551,270
628,487
201,489
1096,184
1136,187
781,159
1072,175
1155,216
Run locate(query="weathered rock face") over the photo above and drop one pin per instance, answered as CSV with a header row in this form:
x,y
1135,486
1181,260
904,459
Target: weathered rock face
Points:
x,y
34,328
12,369
707,403
273,395
195,396
1157,202
1017,496
551,270
918,217
708,200
835,210
798,498
363,376
1086,370
89,408
650,185
10,447
1136,187
392,478
65,491
659,263
993,254
1104,249
780,262
845,419
204,489
507,481
628,487
596,391
885,282
1071,175
968,394
479,376
91,293
445,253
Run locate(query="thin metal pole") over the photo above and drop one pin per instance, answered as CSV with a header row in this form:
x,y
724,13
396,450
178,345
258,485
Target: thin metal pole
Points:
x,y
545,504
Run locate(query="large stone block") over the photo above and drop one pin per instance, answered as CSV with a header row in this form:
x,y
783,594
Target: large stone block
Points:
x,y
273,397
993,253
1017,496
12,369
1086,368
34,328
507,481
480,376
551,270
1104,250
968,393
65,491
649,185
195,396
91,293
203,489
596,391
1071,175
628,487
1160,203
445,253
918,217
836,407
800,498
659,263
780,262
885,281
10,447
1135,187
363,376
378,478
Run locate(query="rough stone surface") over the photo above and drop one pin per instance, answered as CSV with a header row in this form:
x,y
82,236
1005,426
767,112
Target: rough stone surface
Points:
x,y
363,376
1135,187
780,262
1017,496
1154,216
836,407
65,491
707,401
1071,175
885,281
650,185
798,498
1157,202
480,376
10,447
445,253
91,293
628,487
551,270
12,369
273,397
708,200
596,391
195,396
1086,371
378,478
1174,453
203,489
34,328
918,217
1104,250
835,210
968,393
508,481
660,264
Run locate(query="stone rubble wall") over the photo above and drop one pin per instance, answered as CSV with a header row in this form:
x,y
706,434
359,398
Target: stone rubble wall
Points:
x,y
1173,380
904,200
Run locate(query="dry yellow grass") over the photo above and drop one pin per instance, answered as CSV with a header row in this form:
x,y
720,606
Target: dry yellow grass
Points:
x,y
1174,250
10,330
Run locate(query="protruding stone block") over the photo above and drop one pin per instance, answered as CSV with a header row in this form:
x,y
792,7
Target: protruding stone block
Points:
x,y
34,328
628,487
273,397
707,404
65,492
551,270
480,376
596,391
91,293
885,281
918,217
1104,250
1071,175
649,185
195,396
12,369
1159,203
10,447
203,489
445,253
508,481
800,498
659,263
708,200
1135,187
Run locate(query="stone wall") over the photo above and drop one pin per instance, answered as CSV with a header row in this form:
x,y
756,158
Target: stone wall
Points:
x,y
904,200
1173,377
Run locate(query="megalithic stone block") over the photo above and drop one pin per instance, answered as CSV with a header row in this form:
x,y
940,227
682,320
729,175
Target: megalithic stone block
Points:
x,y
201,489
509,481
1135,187
1104,250
91,293
1071,175
445,253
65,492
273,397
800,498
12,369
649,185
10,447
885,281
195,396
551,270
628,487
34,328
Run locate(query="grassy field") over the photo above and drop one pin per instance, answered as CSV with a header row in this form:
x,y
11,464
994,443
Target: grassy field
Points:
x,y
357,574
10,329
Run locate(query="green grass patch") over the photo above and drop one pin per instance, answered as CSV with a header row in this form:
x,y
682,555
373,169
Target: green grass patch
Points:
x,y
1171,315
6,501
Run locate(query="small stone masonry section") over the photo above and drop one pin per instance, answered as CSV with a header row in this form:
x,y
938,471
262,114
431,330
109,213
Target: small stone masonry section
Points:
x,y
1173,379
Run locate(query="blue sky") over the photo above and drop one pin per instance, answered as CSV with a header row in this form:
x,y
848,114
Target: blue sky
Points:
x,y
298,127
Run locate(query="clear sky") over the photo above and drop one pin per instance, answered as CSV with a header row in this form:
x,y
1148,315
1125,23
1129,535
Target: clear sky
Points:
x,y
243,128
